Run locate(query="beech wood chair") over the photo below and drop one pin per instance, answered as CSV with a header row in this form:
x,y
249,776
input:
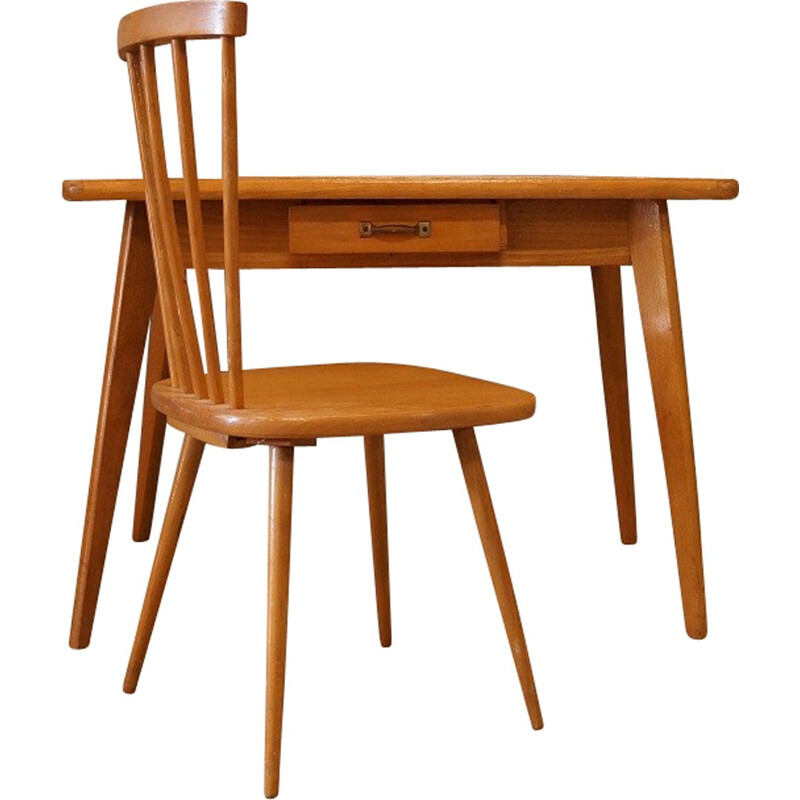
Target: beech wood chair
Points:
x,y
282,408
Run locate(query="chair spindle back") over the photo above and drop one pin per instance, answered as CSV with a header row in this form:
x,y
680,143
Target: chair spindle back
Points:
x,y
139,34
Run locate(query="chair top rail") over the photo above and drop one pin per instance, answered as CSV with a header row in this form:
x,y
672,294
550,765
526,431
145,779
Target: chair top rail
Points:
x,y
203,19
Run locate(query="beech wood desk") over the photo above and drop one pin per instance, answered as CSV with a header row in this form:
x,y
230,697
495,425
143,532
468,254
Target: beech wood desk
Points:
x,y
417,222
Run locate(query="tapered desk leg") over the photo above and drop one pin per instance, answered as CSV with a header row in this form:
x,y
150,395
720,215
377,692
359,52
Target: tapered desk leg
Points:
x,y
133,304
611,338
153,427
656,286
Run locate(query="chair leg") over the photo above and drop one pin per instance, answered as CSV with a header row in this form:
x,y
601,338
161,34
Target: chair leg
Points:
x,y
188,464
611,338
281,468
376,489
479,496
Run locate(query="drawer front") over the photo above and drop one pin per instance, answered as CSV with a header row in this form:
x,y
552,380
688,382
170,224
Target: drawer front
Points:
x,y
395,228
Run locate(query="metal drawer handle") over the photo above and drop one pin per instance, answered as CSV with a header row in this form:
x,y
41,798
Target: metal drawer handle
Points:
x,y
366,229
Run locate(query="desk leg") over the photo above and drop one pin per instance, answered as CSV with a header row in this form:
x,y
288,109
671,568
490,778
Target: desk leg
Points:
x,y
656,286
153,426
133,303
611,338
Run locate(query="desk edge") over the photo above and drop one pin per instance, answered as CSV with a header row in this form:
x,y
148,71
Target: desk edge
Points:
x,y
429,188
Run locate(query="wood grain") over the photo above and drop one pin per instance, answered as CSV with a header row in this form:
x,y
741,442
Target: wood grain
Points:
x,y
194,218
611,339
166,299
454,228
183,348
428,187
315,401
186,20
233,223
657,288
281,469
188,464
537,232
230,222
481,500
133,301
187,370
154,425
376,490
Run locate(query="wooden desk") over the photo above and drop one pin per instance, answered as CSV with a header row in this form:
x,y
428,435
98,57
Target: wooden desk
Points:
x,y
599,222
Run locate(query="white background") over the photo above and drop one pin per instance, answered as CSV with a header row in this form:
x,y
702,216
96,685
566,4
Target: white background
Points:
x,y
632,707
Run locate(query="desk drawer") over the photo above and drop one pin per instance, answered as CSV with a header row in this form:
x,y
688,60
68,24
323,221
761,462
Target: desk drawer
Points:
x,y
395,228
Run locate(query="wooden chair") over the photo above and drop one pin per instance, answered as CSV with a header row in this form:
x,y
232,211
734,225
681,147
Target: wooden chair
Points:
x,y
287,407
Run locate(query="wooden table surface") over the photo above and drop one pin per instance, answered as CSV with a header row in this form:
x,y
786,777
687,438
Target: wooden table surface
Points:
x,y
435,187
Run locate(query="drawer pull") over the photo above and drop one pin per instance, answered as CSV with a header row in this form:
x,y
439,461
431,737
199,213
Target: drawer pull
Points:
x,y
366,229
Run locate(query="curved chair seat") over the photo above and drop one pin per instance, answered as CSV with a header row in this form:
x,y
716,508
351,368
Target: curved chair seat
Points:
x,y
325,400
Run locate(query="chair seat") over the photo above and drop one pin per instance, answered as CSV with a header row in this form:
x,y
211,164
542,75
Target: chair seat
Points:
x,y
325,400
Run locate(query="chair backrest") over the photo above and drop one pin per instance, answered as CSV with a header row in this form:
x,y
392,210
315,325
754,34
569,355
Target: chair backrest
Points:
x,y
139,34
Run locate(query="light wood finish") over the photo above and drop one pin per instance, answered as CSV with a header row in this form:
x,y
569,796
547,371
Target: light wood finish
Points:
x,y
539,233
428,187
200,224
174,350
185,361
185,20
349,400
194,219
185,475
657,288
535,232
139,33
236,442
376,489
230,222
210,436
133,300
280,407
281,467
611,339
453,228
153,428
481,500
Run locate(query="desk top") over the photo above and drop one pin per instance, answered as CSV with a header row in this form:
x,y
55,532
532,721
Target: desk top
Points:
x,y
439,187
